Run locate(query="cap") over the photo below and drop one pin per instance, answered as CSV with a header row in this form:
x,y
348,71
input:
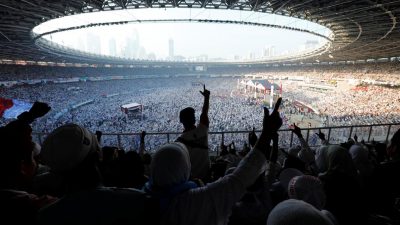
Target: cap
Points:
x,y
67,146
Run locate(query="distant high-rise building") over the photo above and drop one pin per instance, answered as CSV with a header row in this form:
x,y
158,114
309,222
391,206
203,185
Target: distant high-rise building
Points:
x,y
93,43
252,55
272,51
265,52
268,51
112,47
132,45
171,48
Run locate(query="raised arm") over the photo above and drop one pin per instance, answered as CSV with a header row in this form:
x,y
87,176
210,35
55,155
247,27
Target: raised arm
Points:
x,y
305,154
206,105
271,125
322,137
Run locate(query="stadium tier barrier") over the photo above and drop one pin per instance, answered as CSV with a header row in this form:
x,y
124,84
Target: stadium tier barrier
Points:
x,y
335,135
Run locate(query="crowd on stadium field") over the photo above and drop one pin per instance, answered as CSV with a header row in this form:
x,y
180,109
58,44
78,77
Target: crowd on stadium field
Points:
x,y
96,104
72,179
164,97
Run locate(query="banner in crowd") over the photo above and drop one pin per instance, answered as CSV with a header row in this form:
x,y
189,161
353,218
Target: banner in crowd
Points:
x,y
11,108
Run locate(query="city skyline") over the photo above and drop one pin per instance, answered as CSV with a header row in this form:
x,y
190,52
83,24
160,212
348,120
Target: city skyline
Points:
x,y
191,40
130,47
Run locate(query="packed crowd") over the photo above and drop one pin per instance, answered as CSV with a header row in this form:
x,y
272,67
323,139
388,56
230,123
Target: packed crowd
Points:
x,y
232,109
387,72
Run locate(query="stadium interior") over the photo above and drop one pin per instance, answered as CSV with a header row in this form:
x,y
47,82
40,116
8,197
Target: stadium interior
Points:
x,y
307,137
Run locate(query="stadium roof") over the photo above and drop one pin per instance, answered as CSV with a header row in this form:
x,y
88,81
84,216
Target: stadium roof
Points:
x,y
363,29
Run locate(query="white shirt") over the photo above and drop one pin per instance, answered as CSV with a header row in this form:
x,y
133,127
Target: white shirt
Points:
x,y
213,203
196,142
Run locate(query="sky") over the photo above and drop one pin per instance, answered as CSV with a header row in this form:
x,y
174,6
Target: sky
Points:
x,y
191,39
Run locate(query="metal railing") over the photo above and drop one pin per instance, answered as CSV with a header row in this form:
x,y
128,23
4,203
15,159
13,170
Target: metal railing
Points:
x,y
335,135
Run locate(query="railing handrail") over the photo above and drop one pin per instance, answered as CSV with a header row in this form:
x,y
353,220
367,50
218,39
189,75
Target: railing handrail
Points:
x,y
242,131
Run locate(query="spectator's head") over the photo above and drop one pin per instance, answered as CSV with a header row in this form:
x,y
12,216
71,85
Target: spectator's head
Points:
x,y
393,149
334,158
309,189
132,163
232,149
131,171
298,212
17,163
69,148
360,155
170,166
224,150
187,117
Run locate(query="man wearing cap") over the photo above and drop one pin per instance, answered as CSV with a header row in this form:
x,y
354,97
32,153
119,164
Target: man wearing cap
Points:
x,y
196,138
73,154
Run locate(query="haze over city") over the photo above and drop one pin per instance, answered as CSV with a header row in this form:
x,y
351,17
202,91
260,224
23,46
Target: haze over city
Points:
x,y
189,40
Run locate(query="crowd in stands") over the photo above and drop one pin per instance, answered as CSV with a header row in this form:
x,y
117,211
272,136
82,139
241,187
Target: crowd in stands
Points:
x,y
73,179
387,71
99,102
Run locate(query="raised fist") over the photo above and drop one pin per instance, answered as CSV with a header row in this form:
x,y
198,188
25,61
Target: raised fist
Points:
x,y
39,109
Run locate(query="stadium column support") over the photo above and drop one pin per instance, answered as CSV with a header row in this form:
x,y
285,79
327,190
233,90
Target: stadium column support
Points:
x,y
119,141
329,133
369,134
351,132
387,136
291,139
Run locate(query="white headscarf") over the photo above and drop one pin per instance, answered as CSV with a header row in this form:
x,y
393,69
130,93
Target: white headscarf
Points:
x,y
359,153
170,165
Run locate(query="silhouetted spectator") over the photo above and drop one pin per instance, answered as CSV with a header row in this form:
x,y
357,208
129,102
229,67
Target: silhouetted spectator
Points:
x,y
18,168
130,172
196,138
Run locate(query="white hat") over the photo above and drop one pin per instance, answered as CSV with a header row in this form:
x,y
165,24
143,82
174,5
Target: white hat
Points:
x,y
67,146
297,212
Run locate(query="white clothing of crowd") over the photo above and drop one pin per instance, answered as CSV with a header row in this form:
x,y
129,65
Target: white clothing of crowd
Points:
x,y
163,98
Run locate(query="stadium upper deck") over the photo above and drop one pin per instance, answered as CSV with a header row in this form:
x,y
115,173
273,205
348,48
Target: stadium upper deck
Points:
x,y
362,29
